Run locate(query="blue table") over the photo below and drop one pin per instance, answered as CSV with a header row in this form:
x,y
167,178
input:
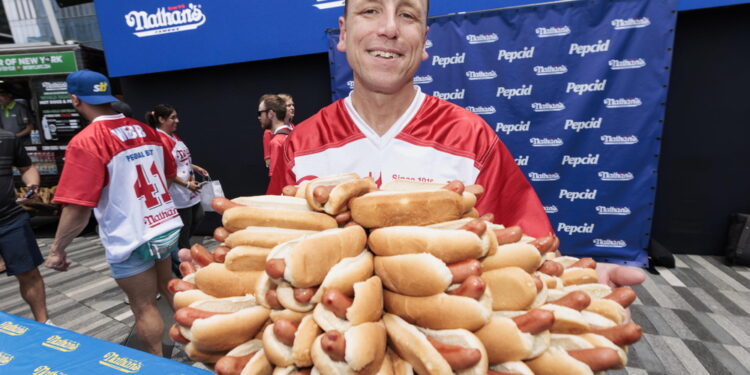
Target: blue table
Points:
x,y
29,347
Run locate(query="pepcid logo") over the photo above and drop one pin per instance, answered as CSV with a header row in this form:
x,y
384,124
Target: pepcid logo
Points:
x,y
550,70
575,161
522,160
630,23
576,195
584,49
611,140
546,142
581,88
509,93
422,80
509,56
60,344
454,95
9,328
615,176
166,20
5,358
119,363
445,61
546,32
522,126
482,38
46,370
611,210
627,64
534,176
547,107
551,209
350,85
481,75
100,87
622,102
594,123
481,110
598,242
327,4
573,229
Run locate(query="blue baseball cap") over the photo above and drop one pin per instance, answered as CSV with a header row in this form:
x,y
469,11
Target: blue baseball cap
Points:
x,y
91,87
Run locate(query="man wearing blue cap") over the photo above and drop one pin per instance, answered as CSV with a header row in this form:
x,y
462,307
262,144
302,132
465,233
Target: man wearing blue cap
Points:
x,y
118,167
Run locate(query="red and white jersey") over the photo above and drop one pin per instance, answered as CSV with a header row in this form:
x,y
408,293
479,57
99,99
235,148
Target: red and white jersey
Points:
x,y
275,146
119,166
182,196
433,141
267,135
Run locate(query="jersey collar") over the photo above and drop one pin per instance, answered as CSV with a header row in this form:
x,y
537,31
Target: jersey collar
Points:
x,y
109,117
397,126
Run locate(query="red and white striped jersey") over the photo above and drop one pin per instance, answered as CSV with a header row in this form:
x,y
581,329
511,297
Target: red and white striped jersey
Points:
x,y
182,196
120,167
433,141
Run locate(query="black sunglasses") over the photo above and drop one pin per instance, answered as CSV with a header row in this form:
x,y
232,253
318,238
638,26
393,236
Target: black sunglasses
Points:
x,y
265,110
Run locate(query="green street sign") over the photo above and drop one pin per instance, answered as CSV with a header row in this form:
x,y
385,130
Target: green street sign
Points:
x,y
37,63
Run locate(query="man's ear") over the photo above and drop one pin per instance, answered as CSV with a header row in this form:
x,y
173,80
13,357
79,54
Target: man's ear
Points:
x,y
75,100
341,45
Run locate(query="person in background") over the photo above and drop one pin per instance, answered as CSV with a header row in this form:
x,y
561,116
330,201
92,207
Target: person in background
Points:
x,y
289,100
387,127
271,114
119,168
15,117
267,134
185,190
18,245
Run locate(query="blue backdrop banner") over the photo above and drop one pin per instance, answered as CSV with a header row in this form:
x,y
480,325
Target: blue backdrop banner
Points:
x,y
577,92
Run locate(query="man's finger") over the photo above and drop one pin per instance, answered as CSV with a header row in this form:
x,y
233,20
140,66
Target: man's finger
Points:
x,y
626,276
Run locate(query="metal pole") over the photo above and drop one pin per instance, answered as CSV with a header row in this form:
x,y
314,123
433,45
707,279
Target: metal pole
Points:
x,y
53,21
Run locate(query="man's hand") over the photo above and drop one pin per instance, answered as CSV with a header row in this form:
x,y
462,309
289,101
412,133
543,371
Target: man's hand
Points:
x,y
200,170
616,276
57,260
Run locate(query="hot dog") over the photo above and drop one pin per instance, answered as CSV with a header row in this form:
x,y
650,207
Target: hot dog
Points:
x,y
579,275
284,331
275,211
535,321
557,360
624,296
552,268
508,235
436,352
360,349
512,288
218,281
518,338
472,287
584,263
331,194
517,253
264,237
176,335
247,358
201,255
177,285
220,254
575,300
287,343
186,297
462,270
337,302
339,311
221,204
388,208
221,234
246,258
441,311
626,334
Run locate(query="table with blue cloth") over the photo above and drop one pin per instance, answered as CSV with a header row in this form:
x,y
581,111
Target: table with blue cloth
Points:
x,y
29,347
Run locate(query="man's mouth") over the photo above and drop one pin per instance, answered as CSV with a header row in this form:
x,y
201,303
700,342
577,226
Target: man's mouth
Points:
x,y
384,54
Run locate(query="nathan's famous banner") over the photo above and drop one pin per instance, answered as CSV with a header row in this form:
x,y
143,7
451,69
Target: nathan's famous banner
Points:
x,y
29,347
576,91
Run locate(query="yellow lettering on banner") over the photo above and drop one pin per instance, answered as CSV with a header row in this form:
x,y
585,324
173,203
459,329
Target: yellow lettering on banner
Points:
x,y
5,358
12,329
58,343
46,370
122,364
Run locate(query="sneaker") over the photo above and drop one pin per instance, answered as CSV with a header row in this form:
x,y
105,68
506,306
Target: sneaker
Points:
x,y
49,323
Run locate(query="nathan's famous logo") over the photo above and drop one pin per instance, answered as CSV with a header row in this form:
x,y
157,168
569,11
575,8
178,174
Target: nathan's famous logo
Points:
x,y
585,49
619,139
546,142
536,176
594,123
581,88
571,229
545,32
5,358
9,328
522,160
100,87
612,210
547,107
119,363
522,126
166,20
627,64
327,4
445,61
46,370
509,93
418,80
622,102
453,95
482,38
509,56
350,85
615,176
630,23
551,209
481,110
481,75
598,242
58,343
550,70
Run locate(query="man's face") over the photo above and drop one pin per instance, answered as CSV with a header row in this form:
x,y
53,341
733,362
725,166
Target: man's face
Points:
x,y
384,42
289,110
5,98
265,121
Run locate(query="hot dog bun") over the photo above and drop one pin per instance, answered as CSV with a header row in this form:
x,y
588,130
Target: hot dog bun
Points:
x,y
367,306
594,290
184,299
416,275
505,342
448,245
216,280
266,237
386,208
441,311
411,344
275,211
299,353
604,307
578,275
308,259
345,187
285,294
567,320
257,365
364,353
345,273
226,331
468,198
517,254
246,258
515,368
587,341
512,288
487,237
198,355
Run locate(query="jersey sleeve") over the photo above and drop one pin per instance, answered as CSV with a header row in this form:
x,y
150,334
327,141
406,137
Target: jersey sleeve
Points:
x,y
275,148
170,165
282,174
83,178
509,195
266,144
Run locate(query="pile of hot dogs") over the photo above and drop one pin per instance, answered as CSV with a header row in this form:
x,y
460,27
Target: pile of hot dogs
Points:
x,y
338,276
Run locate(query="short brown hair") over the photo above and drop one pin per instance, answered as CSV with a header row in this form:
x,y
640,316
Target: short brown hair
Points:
x,y
346,8
276,104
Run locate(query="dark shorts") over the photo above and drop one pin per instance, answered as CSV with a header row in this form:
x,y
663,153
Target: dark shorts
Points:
x,y
18,246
